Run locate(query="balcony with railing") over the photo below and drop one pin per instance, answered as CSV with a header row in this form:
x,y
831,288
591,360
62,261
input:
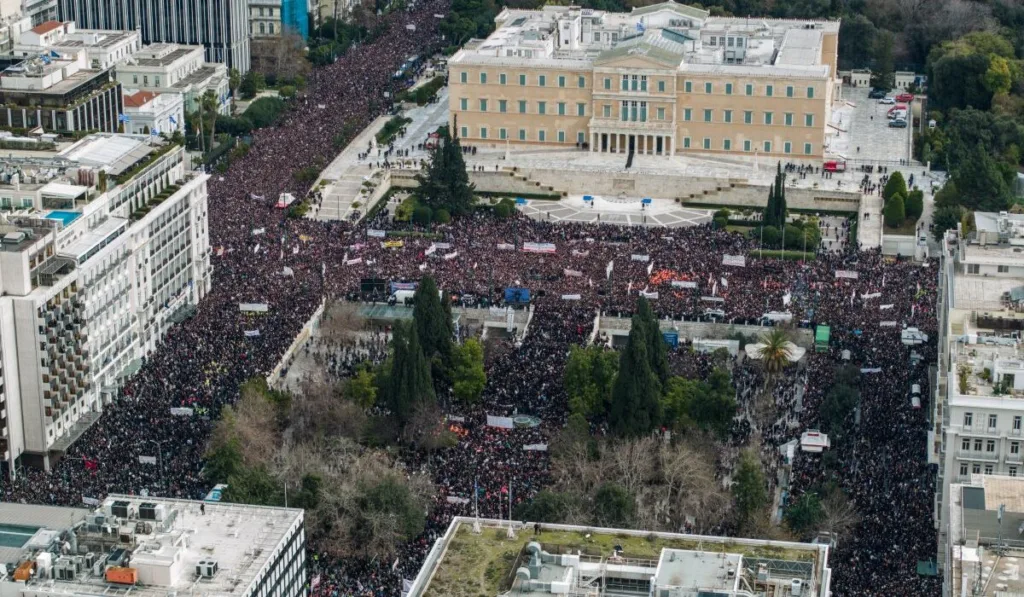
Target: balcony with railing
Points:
x,y
982,455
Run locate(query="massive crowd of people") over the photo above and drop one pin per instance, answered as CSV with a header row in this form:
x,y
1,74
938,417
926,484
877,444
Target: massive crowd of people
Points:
x,y
572,270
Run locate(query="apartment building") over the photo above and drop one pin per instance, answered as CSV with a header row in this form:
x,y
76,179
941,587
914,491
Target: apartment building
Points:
x,y
58,93
104,247
103,49
220,26
173,68
979,399
660,80
40,11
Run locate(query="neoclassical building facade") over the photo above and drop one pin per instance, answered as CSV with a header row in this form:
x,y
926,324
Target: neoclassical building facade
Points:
x,y
661,80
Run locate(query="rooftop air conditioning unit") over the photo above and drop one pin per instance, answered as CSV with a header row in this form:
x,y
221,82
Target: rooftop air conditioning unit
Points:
x,y
206,568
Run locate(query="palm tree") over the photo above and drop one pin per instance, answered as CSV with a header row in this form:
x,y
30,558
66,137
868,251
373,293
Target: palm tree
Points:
x,y
209,104
777,352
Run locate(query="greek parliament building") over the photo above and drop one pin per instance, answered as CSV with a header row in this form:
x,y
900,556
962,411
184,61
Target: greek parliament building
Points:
x,y
660,80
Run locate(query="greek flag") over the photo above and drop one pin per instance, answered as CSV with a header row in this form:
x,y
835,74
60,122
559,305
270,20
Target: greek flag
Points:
x,y
640,27
155,131
172,120
123,118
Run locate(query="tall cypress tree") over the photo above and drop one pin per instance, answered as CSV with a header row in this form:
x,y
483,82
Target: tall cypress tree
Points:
x,y
656,351
636,406
769,209
433,322
775,210
409,382
445,183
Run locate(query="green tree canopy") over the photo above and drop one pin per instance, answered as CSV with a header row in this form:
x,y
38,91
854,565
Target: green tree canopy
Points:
x,y
433,323
837,407
894,211
804,515
636,395
614,506
468,377
895,184
656,347
945,218
708,405
361,388
445,183
546,506
408,380
883,69
589,376
749,489
914,205
981,182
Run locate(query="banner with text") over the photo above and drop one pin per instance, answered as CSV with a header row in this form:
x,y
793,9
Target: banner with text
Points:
x,y
734,260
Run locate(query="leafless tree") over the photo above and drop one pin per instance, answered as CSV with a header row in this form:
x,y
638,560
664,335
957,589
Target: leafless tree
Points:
x,y
839,513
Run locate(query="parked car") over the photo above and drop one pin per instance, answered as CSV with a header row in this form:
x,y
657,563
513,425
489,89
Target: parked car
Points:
x,y
898,123
887,100
897,108
898,115
876,94
905,97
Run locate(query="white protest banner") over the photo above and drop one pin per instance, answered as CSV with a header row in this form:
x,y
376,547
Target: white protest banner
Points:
x,y
725,283
456,419
872,370
734,260
454,499
713,299
147,459
503,422
842,273
430,250
683,284
571,297
887,324
885,307
580,253
253,307
256,249
649,295
536,447
786,299
89,501
572,272
870,296
643,258
452,255
258,231
443,245
650,268
355,261
251,333
538,247
288,272
506,247
375,233
608,269
181,411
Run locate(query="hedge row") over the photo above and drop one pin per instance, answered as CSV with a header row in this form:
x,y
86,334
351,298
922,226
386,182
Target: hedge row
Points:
x,y
787,255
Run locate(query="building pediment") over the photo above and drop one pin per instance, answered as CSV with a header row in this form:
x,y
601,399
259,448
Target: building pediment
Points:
x,y
638,57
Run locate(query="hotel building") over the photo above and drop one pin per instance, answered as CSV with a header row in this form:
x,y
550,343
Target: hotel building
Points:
x,y
660,80
103,247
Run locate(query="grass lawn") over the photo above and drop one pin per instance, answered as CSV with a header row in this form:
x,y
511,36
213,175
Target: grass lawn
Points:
x,y
477,565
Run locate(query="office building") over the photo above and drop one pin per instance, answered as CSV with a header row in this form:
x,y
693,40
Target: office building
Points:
x,y
986,540
220,26
104,247
979,388
59,94
660,80
152,547
546,559
153,113
12,25
103,49
40,11
173,68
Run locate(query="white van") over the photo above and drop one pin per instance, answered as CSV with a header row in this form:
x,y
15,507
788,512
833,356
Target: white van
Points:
x,y
915,396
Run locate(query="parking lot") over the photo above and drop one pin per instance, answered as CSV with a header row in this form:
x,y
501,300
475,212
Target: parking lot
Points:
x,y
863,134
